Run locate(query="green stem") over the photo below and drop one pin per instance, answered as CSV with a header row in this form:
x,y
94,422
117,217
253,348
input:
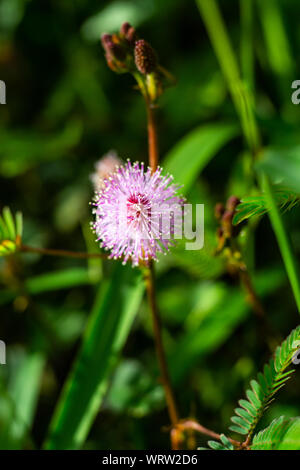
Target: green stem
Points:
x,y
283,240
221,43
247,55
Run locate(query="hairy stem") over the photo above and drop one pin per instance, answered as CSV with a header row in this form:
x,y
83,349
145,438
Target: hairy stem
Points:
x,y
56,252
170,398
150,286
152,136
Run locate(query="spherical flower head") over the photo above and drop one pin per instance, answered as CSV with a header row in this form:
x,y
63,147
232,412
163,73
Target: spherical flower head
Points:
x,y
137,213
103,168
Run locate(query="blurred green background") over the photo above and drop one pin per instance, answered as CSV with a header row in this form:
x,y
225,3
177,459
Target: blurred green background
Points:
x,y
64,110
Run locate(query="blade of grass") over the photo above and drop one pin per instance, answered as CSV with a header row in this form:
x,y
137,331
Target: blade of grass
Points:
x,y
19,398
276,39
247,54
24,391
221,43
10,224
19,223
55,280
283,240
111,319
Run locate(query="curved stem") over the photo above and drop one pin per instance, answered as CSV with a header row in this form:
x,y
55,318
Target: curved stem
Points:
x,y
190,424
56,252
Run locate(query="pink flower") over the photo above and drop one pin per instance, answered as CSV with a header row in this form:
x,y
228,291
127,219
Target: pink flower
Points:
x,y
103,167
137,213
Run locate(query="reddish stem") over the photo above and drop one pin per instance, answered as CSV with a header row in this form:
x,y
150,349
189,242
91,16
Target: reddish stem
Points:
x,y
55,252
152,137
170,398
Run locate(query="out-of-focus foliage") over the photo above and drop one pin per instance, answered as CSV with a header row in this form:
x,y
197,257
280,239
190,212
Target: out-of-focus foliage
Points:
x,y
10,231
64,110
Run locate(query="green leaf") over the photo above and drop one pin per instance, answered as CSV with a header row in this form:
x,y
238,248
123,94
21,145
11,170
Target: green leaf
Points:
x,y
20,397
10,231
107,330
282,166
225,444
56,280
282,434
10,223
229,65
258,206
24,391
190,156
277,42
262,391
285,246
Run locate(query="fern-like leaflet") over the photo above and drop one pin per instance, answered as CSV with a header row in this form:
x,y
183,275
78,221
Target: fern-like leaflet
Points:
x,y
283,433
265,387
257,205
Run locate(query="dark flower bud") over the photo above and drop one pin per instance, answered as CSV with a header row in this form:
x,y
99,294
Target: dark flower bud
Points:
x,y
227,223
112,48
131,36
145,58
125,28
106,40
232,202
219,210
114,52
128,32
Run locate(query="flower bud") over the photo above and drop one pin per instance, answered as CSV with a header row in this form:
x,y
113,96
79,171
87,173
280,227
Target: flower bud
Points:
x,y
232,202
227,223
128,32
219,210
145,57
125,28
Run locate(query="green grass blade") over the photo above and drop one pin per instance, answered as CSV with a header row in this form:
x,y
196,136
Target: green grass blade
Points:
x,y
57,280
108,327
221,43
19,223
276,39
10,224
197,148
247,53
284,243
24,392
